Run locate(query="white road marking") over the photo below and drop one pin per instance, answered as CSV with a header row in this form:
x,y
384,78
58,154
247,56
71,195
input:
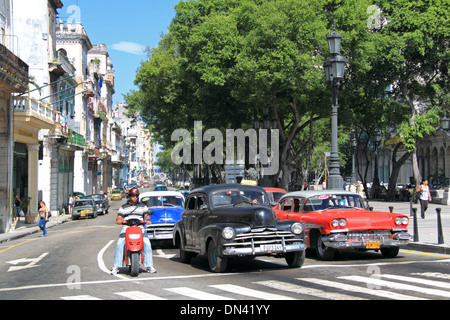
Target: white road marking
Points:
x,y
397,286
138,295
351,288
250,292
196,294
298,289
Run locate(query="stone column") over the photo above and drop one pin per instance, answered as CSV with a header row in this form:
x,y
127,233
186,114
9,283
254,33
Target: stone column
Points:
x,y
33,159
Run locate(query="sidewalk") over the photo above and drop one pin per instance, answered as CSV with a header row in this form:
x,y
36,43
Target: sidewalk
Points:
x,y
427,228
23,229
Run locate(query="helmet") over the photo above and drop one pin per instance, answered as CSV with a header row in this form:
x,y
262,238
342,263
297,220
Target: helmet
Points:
x,y
133,191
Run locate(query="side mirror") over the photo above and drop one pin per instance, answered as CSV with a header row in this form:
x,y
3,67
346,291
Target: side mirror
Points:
x,y
203,207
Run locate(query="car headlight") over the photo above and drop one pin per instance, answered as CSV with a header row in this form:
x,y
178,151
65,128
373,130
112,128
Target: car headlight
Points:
x,y
398,221
405,220
297,228
228,233
339,223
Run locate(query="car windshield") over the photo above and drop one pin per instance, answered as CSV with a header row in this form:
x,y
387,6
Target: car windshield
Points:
x,y
163,201
116,191
81,203
233,197
332,201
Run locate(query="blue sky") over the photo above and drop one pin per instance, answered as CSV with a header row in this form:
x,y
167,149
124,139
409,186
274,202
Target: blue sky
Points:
x,y
126,27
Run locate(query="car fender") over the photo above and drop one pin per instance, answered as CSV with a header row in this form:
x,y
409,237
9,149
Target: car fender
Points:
x,y
214,232
179,233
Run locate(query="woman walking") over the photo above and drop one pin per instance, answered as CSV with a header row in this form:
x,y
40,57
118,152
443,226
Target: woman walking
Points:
x,y
425,197
42,217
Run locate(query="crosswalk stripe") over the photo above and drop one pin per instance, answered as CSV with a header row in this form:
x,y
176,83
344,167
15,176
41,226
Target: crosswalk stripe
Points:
x,y
197,294
250,292
138,295
298,289
437,275
81,297
397,286
433,283
352,288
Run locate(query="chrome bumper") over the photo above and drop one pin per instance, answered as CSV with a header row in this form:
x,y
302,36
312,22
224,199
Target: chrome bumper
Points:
x,y
340,241
256,250
160,231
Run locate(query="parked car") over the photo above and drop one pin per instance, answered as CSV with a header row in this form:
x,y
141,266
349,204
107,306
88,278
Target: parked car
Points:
x,y
274,194
116,194
101,202
226,221
165,208
337,220
84,208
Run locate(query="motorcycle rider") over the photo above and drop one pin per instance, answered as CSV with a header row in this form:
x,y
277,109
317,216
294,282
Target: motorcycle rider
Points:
x,y
133,210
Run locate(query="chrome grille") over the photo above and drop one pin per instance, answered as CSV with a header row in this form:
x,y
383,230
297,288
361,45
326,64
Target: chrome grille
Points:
x,y
369,235
262,236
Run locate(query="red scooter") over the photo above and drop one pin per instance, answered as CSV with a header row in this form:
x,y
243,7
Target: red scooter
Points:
x,y
134,246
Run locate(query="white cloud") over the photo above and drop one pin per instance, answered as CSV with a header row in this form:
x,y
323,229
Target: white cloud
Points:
x,y
129,47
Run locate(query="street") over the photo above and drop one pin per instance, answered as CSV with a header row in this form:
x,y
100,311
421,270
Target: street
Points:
x,y
74,260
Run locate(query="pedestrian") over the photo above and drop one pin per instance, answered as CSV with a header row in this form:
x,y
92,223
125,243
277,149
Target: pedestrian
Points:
x,y
17,203
133,210
42,217
70,204
424,197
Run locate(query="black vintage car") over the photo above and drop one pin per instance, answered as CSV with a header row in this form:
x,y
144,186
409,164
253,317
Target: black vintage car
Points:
x,y
226,221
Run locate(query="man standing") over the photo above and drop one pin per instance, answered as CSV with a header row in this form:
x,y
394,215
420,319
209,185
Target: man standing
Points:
x,y
133,210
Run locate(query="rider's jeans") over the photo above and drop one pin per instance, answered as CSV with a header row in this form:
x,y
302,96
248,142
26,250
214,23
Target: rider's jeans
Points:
x,y
118,255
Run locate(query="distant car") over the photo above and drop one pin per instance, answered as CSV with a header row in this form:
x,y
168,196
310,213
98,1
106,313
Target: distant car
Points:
x,y
165,209
101,202
84,208
160,188
274,194
226,221
116,194
338,220
145,184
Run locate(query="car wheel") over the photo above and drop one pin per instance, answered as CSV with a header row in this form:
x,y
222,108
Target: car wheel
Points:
x,y
390,252
323,252
216,263
295,259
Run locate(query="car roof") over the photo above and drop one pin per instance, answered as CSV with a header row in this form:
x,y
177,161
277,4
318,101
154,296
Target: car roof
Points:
x,y
160,194
311,193
218,187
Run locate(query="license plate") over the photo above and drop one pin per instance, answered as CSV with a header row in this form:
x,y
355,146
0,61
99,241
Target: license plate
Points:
x,y
85,211
82,215
373,245
271,247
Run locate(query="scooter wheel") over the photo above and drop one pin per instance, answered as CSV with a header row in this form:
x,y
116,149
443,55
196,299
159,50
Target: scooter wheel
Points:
x,y
134,267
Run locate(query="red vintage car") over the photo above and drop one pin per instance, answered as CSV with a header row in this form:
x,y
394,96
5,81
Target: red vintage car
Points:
x,y
337,220
274,194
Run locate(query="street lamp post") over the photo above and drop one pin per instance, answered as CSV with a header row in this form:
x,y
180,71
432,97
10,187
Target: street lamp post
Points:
x,y
334,72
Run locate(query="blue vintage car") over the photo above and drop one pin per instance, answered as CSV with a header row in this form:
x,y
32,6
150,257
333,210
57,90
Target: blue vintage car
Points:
x,y
165,208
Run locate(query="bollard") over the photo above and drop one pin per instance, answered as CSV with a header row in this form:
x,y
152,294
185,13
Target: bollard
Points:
x,y
439,223
416,229
391,209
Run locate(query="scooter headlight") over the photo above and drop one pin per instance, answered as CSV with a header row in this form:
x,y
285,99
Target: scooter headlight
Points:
x,y
134,236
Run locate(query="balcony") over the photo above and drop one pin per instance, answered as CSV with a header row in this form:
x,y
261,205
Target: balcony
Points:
x,y
13,71
33,113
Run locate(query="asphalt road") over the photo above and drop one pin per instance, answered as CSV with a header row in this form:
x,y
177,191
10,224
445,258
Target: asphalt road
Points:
x,y
74,260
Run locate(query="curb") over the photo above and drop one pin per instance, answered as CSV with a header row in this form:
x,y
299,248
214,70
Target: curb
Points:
x,y
428,247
